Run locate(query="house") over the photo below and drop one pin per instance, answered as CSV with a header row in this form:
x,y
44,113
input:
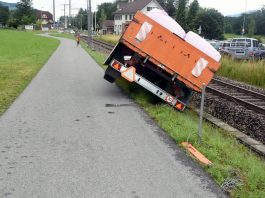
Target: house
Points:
x,y
45,17
126,11
108,27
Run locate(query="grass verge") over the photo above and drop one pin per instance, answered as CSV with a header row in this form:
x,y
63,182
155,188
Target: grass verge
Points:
x,y
109,38
22,54
231,159
248,71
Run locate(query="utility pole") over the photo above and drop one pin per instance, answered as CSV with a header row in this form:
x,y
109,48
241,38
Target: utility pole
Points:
x,y
244,20
92,21
95,21
81,22
53,13
70,7
41,18
89,38
65,19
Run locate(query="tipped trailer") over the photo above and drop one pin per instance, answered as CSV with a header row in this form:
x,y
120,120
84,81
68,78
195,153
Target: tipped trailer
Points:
x,y
157,54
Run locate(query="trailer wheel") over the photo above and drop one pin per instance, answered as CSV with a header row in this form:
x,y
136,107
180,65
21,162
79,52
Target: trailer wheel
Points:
x,y
109,78
111,74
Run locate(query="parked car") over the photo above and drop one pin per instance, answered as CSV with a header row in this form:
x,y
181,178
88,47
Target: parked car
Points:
x,y
224,47
243,48
214,43
260,54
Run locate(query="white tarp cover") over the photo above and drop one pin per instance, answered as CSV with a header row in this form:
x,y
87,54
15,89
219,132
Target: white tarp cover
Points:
x,y
161,17
201,44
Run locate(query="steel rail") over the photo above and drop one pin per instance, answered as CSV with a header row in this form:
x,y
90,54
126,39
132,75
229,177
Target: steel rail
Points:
x,y
245,103
241,89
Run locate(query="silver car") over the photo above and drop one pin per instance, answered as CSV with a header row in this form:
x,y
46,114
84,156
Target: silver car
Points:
x,y
243,48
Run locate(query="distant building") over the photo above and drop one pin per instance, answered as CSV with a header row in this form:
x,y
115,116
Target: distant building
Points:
x,y
45,17
126,11
11,6
108,27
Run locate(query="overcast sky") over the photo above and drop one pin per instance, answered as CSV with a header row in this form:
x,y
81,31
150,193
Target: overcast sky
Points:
x,y
226,7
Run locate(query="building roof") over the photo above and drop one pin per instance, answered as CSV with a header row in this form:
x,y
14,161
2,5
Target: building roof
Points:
x,y
121,5
108,23
133,7
40,14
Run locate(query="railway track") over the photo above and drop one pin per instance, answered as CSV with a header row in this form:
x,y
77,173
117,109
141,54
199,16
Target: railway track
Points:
x,y
247,98
100,45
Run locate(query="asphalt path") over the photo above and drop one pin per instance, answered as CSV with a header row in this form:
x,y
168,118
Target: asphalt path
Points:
x,y
59,139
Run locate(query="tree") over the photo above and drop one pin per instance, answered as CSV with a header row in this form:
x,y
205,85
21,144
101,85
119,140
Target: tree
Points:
x,y
103,17
192,13
228,28
24,13
4,14
162,3
170,7
212,23
181,12
81,19
109,9
260,21
251,28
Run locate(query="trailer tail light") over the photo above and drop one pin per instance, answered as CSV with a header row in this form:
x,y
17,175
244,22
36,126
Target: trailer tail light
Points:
x,y
116,65
180,106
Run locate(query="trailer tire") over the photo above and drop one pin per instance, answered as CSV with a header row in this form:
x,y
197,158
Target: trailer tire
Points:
x,y
111,74
109,78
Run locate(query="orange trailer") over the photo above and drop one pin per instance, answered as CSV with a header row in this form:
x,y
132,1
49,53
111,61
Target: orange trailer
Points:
x,y
156,53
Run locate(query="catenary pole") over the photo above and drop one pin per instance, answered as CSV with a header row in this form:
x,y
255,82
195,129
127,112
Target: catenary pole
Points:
x,y
95,21
53,13
89,39
70,8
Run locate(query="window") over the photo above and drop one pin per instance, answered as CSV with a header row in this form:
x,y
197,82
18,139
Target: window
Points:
x,y
255,43
118,17
44,16
149,8
241,43
126,17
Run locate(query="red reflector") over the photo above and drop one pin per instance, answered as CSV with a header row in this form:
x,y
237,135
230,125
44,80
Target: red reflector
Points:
x,y
180,106
116,65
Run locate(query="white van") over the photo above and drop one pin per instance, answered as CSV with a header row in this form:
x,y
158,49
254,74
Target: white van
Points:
x,y
243,48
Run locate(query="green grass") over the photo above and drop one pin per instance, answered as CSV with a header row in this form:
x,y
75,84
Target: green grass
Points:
x,y
109,38
231,159
251,72
22,54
